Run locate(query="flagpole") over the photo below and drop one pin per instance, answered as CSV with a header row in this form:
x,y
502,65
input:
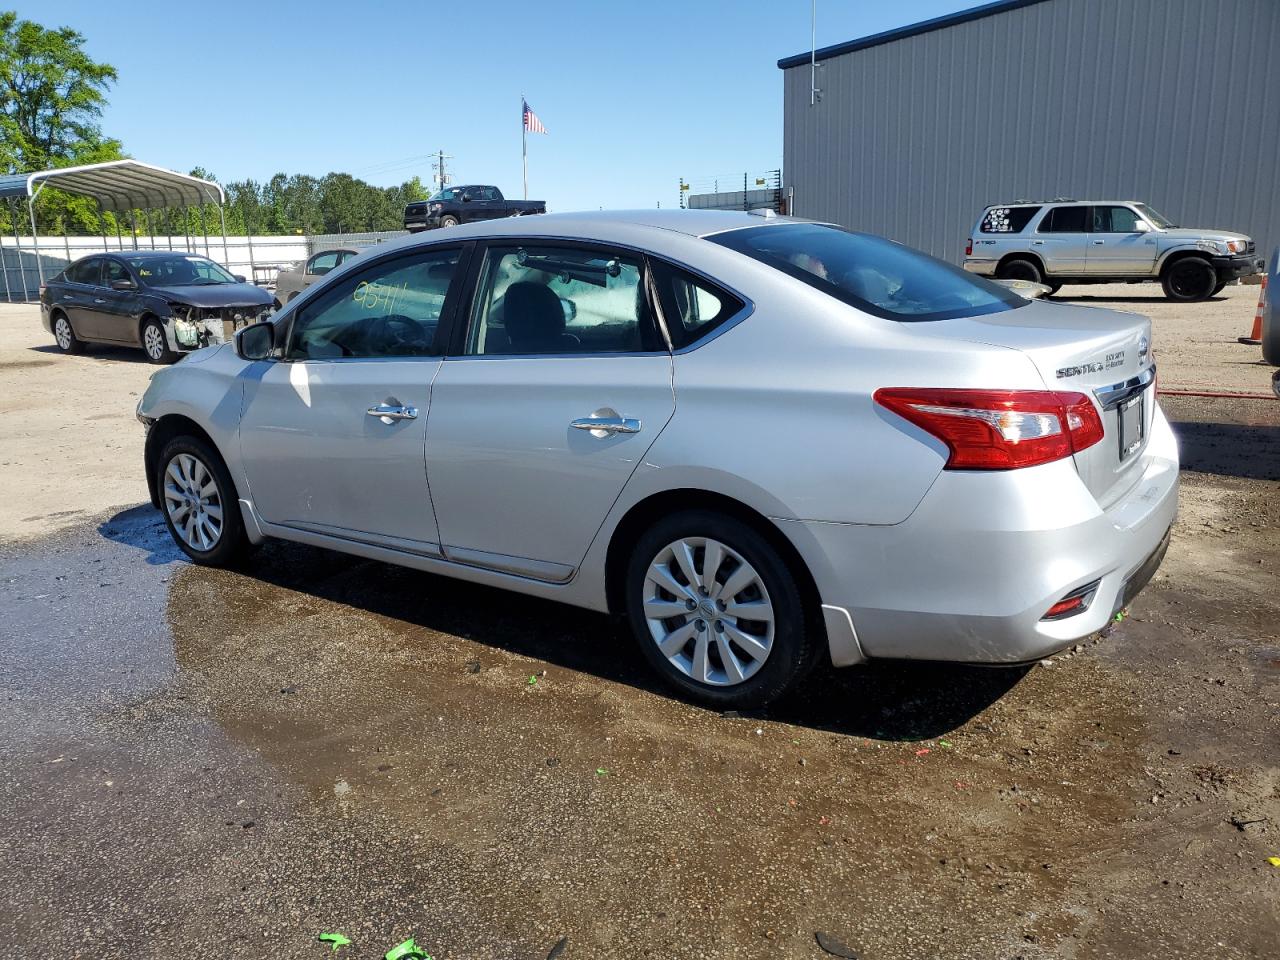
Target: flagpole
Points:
x,y
524,144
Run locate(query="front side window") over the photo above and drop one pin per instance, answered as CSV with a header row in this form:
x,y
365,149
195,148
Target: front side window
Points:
x,y
1065,220
322,263
179,270
1007,219
113,270
561,300
875,275
1114,220
390,310
1163,222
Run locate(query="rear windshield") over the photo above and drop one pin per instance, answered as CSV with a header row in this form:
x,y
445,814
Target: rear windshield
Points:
x,y
873,274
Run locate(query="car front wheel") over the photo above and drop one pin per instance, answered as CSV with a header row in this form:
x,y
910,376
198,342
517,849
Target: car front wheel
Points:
x,y
154,343
1189,279
717,611
448,221
199,503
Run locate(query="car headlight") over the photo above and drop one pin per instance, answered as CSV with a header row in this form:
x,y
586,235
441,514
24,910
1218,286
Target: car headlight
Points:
x,y
1212,246
1237,246
437,207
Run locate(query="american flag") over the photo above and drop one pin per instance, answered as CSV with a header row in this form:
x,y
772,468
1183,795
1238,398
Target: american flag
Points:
x,y
531,121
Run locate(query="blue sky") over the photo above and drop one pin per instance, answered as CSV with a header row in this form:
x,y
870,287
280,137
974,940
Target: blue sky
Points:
x,y
634,95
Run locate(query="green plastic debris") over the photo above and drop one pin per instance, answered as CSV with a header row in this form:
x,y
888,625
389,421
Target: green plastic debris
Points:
x,y
406,951
337,940
601,772
1121,615
533,678
945,743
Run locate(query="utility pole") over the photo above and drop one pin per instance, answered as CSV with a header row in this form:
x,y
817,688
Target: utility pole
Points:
x,y
441,176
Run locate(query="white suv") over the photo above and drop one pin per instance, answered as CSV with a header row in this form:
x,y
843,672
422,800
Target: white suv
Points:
x,y
1105,241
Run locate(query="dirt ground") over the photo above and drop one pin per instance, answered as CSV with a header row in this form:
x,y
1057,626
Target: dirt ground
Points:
x,y
208,763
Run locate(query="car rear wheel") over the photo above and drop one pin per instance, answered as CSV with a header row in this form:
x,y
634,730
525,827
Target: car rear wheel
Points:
x,y
199,503
716,610
448,221
154,343
1191,278
64,336
1020,270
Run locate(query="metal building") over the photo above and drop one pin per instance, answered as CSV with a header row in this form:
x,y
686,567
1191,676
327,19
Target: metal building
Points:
x,y
914,131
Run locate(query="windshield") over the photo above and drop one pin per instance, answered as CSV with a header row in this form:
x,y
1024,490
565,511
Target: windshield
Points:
x,y
179,270
449,193
876,275
1164,223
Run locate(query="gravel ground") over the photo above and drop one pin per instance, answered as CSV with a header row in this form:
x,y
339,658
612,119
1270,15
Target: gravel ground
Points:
x,y
211,763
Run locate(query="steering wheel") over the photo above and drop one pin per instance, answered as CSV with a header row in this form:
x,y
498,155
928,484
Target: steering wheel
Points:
x,y
396,333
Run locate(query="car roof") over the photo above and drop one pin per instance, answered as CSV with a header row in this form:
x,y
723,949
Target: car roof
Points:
x,y
147,254
1028,203
591,223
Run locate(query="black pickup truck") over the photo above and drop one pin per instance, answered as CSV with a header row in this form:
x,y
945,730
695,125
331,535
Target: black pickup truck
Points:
x,y
455,205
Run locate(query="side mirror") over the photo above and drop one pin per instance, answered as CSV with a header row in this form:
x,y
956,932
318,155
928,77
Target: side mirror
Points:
x,y
256,341
124,283
239,277
1141,226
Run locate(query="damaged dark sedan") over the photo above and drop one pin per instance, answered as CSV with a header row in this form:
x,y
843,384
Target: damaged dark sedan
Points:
x,y
165,302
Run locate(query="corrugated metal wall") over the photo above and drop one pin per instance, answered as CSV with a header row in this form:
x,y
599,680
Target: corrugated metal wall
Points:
x,y
1175,102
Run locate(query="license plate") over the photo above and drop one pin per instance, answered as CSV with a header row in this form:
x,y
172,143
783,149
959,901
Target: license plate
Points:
x,y
1132,422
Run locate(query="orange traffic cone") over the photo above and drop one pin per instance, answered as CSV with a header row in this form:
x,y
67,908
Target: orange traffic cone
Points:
x,y
1254,339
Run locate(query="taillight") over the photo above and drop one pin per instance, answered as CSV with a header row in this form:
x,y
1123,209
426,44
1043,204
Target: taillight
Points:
x,y
999,429
968,247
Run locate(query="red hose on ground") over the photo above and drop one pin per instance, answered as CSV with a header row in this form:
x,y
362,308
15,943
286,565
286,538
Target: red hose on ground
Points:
x,y
1162,391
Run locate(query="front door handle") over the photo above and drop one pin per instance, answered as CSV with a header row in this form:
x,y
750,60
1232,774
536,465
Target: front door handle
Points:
x,y
1098,243
390,413
603,426
98,300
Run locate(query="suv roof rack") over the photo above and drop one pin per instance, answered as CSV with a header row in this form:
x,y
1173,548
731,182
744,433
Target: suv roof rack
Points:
x,y
1024,200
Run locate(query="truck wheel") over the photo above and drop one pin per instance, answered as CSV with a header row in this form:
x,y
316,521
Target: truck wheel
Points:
x,y
1020,270
448,221
1218,289
1189,279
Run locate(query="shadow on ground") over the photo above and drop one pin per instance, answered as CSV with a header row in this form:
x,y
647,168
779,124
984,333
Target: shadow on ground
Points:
x,y
99,351
1251,451
884,700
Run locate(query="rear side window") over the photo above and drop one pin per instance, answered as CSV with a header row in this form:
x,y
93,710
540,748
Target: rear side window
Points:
x,y
691,306
1065,220
875,275
1007,219
86,271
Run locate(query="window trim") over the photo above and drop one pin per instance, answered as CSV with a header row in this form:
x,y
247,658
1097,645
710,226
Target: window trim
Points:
x,y
716,287
1120,233
95,258
457,288
463,316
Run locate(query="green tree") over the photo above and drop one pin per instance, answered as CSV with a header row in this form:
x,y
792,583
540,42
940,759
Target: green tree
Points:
x,y
51,97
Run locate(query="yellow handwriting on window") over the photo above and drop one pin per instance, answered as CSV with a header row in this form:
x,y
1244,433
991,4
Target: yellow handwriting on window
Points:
x,y
378,296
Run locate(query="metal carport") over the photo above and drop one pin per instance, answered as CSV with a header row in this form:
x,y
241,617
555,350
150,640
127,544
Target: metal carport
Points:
x,y
117,186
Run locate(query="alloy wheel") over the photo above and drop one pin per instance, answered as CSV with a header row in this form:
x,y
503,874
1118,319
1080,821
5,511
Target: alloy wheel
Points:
x,y
62,332
193,502
153,341
708,611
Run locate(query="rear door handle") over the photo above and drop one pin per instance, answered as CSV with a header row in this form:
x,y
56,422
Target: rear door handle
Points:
x,y
603,426
1098,243
98,300
1037,243
390,413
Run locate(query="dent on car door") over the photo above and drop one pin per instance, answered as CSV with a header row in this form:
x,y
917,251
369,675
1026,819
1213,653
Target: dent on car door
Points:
x,y
332,435
552,394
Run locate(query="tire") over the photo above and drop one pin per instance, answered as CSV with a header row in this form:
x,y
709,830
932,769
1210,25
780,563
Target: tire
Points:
x,y
1218,289
448,221
292,297
210,541
1053,288
1020,269
276,304
154,343
64,336
785,648
1188,280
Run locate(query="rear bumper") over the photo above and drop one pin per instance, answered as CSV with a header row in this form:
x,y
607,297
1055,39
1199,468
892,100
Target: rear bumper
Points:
x,y
970,574
983,268
1232,268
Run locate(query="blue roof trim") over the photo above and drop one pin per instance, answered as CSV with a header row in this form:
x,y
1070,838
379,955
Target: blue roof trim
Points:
x,y
913,30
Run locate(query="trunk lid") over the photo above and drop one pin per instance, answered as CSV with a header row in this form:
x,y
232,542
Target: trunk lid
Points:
x,y
1105,354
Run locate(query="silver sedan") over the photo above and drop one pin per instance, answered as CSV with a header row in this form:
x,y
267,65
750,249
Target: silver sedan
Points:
x,y
766,442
